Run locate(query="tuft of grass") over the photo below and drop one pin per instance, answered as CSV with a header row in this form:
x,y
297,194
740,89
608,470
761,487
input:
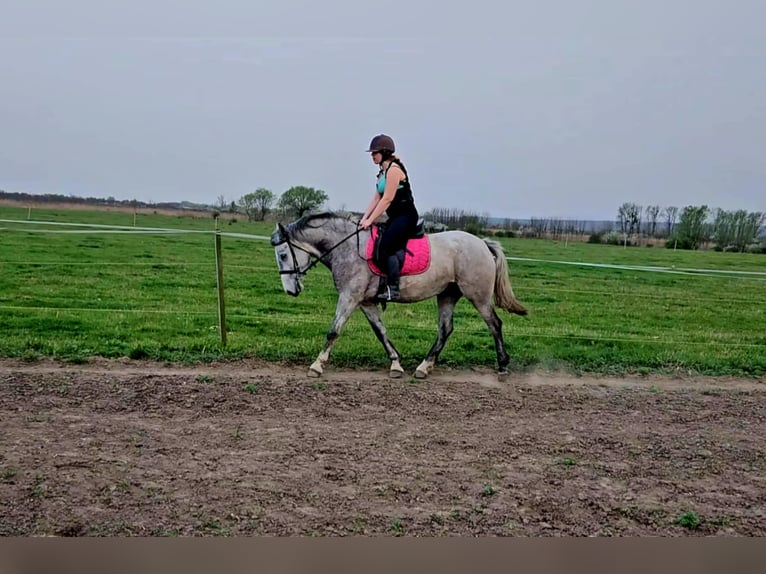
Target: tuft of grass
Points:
x,y
251,388
205,378
214,527
488,490
8,474
396,528
567,462
689,520
164,532
37,487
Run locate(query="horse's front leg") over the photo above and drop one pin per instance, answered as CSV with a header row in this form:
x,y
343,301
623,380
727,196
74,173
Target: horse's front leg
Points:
x,y
344,308
373,316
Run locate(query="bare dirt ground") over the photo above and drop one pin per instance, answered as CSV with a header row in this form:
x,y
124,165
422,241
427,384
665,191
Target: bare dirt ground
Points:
x,y
135,448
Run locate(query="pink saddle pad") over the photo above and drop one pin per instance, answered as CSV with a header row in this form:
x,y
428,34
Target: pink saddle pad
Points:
x,y
416,260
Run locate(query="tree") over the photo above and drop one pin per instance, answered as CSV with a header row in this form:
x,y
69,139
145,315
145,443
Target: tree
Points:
x,y
754,223
220,203
652,213
539,226
300,199
670,214
692,229
629,218
257,204
736,229
723,229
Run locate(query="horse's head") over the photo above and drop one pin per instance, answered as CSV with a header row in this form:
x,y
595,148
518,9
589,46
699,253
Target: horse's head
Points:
x,y
314,235
289,260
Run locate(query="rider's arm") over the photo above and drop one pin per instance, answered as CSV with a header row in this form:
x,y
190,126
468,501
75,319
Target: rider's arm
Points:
x,y
373,202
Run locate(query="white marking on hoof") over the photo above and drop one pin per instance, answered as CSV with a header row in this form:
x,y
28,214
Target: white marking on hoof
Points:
x,y
315,370
503,376
423,370
396,370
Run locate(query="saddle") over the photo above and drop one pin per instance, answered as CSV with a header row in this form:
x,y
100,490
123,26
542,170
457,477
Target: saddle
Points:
x,y
413,260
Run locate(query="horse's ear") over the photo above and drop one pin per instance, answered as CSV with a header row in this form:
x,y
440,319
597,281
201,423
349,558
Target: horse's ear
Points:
x,y
282,229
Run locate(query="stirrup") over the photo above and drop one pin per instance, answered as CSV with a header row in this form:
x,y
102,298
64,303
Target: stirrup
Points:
x,y
389,294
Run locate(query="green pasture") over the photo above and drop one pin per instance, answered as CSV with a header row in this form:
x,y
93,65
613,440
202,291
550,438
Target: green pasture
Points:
x,y
73,296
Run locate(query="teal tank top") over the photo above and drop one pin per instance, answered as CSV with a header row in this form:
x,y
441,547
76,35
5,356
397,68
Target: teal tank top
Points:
x,y
381,185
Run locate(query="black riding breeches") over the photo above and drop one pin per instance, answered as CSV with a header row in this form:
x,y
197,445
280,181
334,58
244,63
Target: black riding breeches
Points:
x,y
398,230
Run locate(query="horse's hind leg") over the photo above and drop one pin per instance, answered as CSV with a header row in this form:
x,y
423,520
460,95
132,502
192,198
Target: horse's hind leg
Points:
x,y
495,325
373,316
343,310
447,300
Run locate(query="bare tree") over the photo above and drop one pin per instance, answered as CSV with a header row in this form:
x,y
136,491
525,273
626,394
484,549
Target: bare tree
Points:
x,y
652,213
220,203
670,214
556,227
539,226
629,218
459,219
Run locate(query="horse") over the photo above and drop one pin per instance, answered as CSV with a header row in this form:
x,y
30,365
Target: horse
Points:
x,y
459,264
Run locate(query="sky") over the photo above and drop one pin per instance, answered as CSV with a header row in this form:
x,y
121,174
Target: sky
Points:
x,y
516,109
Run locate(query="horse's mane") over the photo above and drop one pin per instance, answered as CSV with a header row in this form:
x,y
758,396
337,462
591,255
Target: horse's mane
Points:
x,y
313,220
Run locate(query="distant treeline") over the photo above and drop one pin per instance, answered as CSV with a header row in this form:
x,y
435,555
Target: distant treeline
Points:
x,y
692,227
536,227
109,201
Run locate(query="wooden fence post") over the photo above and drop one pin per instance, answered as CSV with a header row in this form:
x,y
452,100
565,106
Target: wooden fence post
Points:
x,y
219,277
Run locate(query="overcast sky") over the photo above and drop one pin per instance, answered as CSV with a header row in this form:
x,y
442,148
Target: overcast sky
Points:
x,y
563,109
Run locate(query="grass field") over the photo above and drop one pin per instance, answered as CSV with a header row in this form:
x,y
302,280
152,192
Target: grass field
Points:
x,y
72,296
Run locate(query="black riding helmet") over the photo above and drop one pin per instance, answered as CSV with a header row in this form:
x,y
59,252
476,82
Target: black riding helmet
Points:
x,y
382,143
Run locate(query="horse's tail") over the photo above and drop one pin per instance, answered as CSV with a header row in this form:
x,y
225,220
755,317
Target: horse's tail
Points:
x,y
504,297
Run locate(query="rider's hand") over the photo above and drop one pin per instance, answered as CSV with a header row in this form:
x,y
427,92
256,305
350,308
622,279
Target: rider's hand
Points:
x,y
365,223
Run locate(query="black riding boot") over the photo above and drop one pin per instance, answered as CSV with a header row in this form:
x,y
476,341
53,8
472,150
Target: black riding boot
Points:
x,y
392,279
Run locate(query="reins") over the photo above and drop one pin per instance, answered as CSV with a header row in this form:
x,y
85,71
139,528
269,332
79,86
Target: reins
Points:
x,y
297,270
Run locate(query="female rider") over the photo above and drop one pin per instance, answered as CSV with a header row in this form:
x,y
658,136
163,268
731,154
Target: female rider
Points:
x,y
394,196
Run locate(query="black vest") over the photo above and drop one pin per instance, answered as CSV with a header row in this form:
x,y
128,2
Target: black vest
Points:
x,y
403,202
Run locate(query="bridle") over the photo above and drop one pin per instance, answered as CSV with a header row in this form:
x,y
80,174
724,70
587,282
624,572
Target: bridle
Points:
x,y
283,237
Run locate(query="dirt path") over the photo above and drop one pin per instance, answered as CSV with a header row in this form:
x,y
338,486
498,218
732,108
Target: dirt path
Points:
x,y
134,448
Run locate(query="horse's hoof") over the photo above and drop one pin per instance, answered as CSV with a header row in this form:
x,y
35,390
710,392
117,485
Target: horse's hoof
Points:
x,y
503,376
420,374
394,374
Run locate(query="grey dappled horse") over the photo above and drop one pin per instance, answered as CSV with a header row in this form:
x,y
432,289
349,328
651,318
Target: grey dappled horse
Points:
x,y
461,265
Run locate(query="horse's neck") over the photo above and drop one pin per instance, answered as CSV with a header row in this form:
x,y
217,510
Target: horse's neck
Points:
x,y
328,236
